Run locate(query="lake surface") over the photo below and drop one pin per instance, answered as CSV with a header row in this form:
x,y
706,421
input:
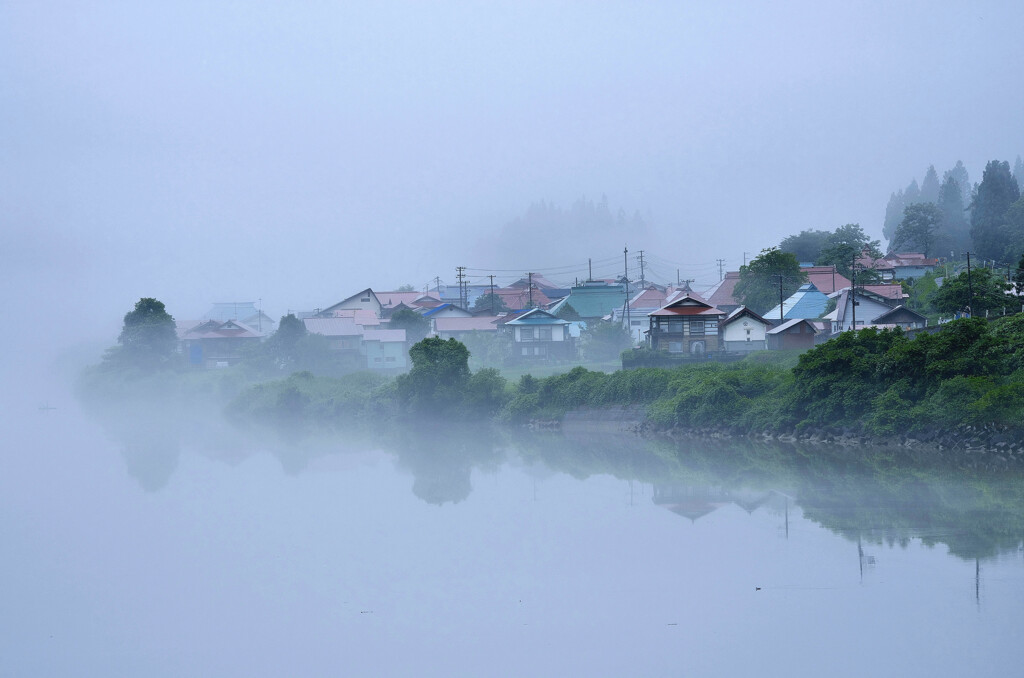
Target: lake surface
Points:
x,y
159,548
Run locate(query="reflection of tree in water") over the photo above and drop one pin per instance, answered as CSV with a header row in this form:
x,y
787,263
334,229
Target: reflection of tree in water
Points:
x,y
441,459
871,495
150,453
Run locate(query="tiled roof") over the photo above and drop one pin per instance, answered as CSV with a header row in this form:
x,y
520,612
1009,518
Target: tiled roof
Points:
x,y
480,323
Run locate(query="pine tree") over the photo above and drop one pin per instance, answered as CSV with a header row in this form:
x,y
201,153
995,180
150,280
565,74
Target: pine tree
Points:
x,y
955,234
1018,172
893,215
996,192
959,172
930,186
912,194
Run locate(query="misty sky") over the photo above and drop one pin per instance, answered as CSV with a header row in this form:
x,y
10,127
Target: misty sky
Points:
x,y
298,152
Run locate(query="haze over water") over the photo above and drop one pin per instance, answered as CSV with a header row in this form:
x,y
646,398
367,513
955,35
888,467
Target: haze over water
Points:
x,y
138,548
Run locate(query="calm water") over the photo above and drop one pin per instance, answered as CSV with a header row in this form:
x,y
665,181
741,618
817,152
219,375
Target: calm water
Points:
x,y
165,549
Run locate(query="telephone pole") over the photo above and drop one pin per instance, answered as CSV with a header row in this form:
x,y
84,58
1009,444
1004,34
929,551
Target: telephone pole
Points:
x,y
721,275
782,315
625,280
460,276
643,280
530,276
491,276
970,288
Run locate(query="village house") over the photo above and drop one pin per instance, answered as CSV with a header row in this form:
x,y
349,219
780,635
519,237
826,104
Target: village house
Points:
x,y
795,334
744,331
686,325
539,335
218,344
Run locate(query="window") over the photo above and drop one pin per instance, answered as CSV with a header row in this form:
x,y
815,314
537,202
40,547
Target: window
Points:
x,y
675,325
697,328
389,359
544,333
675,347
525,334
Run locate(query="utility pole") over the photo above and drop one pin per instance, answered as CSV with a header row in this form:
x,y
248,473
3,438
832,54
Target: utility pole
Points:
x,y
677,278
970,288
625,279
853,292
721,275
590,269
460,276
643,280
530,276
491,276
745,258
437,285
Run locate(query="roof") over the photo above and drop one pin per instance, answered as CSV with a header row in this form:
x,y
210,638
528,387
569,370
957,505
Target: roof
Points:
x,y
741,312
333,327
722,293
806,302
537,316
594,299
232,310
392,299
215,329
519,298
539,282
778,329
479,323
357,295
688,305
446,307
901,311
385,336
652,297
825,278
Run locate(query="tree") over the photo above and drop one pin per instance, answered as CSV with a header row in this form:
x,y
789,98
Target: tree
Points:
x,y
414,324
406,288
1018,277
912,193
893,215
439,376
919,229
997,191
1018,173
959,173
490,303
805,246
955,234
604,340
567,312
983,291
930,186
149,337
758,287
846,244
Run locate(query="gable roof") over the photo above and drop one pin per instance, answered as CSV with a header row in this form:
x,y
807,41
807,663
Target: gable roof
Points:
x,y
593,299
518,298
825,278
687,304
448,309
537,316
215,329
900,314
778,329
741,312
806,302
722,294
357,296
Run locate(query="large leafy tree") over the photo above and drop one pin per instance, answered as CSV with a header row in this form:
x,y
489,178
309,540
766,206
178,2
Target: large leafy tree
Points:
x,y
806,245
605,340
490,303
996,192
846,244
984,290
414,324
919,229
759,284
439,376
148,337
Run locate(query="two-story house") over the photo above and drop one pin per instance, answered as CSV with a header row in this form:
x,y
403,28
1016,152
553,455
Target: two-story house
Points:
x,y
686,325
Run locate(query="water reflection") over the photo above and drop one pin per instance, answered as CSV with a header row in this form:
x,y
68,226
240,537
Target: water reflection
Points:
x,y
869,496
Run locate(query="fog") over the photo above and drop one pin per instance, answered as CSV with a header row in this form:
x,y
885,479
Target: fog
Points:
x,y
295,154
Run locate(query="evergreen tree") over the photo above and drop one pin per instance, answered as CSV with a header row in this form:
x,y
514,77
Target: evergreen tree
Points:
x,y
930,186
919,229
997,191
959,172
912,194
1018,173
415,325
893,215
955,233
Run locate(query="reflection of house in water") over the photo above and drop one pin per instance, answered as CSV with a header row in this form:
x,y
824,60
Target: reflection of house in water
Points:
x,y
696,501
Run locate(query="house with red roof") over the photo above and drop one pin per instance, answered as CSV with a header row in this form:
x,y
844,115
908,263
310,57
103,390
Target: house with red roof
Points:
x,y
687,325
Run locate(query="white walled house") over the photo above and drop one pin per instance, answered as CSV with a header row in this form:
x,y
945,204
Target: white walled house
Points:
x,y
744,331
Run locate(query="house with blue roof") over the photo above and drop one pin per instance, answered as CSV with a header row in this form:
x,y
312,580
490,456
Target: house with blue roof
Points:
x,y
806,303
538,335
